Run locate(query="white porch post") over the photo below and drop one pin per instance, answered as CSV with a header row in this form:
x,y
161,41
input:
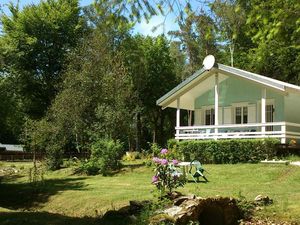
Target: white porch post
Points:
x,y
216,102
283,130
178,117
263,109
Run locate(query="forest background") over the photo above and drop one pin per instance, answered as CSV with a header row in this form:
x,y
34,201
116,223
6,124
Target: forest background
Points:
x,y
71,75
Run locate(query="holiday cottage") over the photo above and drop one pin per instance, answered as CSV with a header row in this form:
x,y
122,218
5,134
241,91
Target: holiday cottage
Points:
x,y
229,103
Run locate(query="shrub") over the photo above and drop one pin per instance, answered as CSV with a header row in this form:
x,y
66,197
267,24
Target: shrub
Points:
x,y
227,151
130,156
105,156
154,148
90,167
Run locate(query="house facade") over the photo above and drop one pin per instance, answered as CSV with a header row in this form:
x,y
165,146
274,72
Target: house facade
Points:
x,y
229,103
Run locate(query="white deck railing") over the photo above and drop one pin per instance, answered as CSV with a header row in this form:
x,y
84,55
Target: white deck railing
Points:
x,y
280,130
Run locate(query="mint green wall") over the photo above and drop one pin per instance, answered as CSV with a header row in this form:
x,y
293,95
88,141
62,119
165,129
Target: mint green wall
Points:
x,y
234,90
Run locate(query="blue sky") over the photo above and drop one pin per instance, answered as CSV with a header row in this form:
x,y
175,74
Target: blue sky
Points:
x,y
143,27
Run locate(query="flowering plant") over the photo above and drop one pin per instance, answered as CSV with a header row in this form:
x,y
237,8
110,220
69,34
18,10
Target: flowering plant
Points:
x,y
167,177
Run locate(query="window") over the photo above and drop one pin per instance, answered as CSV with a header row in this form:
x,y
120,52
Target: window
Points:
x,y
269,113
241,114
210,117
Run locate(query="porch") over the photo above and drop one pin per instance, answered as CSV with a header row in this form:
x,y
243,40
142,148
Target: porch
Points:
x,y
280,130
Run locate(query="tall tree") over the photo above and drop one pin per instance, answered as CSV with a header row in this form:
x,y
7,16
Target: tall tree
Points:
x,y
274,29
229,18
35,42
151,67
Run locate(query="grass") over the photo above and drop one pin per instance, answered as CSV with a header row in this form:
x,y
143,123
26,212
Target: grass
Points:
x,y
65,198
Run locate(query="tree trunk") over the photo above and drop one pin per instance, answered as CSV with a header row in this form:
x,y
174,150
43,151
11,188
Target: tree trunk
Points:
x,y
231,49
138,132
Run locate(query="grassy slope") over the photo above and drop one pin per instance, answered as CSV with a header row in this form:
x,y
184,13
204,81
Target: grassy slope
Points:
x,y
64,196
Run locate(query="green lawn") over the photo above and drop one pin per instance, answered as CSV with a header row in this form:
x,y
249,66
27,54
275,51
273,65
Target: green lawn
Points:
x,y
72,199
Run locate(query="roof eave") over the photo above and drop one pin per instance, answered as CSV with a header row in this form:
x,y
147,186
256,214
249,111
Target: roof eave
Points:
x,y
165,98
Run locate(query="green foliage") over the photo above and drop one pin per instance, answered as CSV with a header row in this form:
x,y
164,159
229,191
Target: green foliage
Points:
x,y
151,68
35,42
46,137
155,149
11,113
246,207
167,177
110,152
131,156
228,151
274,28
105,157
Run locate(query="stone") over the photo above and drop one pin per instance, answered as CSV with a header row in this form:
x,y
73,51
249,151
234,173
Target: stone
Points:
x,y
161,219
212,211
178,201
173,195
263,200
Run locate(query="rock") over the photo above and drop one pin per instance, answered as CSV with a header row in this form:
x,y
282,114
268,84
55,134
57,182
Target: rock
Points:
x,y
172,211
161,219
178,201
212,211
263,200
173,195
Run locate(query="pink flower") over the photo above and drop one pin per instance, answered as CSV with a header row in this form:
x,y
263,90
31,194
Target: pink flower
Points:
x,y
156,160
154,179
175,162
164,151
164,162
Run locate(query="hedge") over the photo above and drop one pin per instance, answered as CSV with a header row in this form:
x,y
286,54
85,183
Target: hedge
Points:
x,y
225,151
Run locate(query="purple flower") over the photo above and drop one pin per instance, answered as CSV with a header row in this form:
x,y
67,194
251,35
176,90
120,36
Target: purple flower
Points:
x,y
156,160
164,162
154,179
164,151
175,162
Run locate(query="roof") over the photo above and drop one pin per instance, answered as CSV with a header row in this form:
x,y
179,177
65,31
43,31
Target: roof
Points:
x,y
201,74
10,147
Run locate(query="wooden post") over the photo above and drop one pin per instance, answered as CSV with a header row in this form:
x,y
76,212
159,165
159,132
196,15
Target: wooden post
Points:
x,y
216,102
263,109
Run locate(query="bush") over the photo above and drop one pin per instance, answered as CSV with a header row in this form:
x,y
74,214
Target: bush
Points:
x,y
105,156
227,151
167,177
131,156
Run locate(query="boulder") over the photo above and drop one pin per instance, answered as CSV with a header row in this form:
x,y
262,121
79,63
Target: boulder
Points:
x,y
210,211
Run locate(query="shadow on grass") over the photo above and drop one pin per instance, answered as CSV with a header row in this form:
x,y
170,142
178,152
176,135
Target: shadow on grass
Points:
x,y
45,218
24,195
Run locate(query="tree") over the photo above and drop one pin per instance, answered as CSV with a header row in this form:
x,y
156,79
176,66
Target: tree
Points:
x,y
11,114
90,105
229,18
152,70
197,34
274,29
35,41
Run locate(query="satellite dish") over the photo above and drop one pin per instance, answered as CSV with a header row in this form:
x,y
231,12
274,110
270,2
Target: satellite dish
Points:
x,y
209,62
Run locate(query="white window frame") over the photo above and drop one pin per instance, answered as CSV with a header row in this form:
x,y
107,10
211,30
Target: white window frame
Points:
x,y
212,117
240,105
